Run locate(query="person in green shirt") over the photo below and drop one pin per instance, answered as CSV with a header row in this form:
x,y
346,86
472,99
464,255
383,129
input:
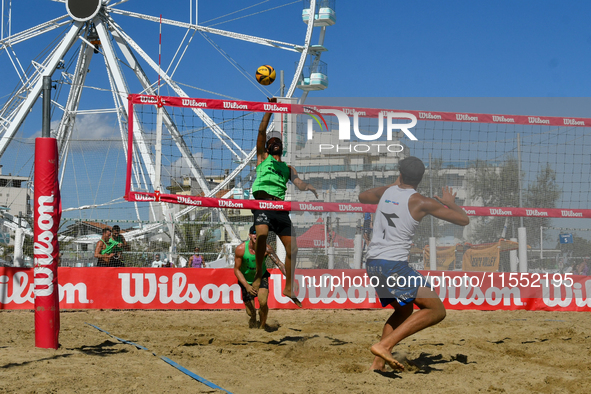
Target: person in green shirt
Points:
x,y
117,260
105,249
245,270
271,184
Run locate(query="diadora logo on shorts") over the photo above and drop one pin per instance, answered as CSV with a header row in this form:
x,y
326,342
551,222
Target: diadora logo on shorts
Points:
x,y
262,217
392,202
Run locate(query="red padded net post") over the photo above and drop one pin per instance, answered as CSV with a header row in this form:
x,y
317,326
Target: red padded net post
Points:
x,y
47,218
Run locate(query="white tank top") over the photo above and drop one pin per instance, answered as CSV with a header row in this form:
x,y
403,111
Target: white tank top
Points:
x,y
393,226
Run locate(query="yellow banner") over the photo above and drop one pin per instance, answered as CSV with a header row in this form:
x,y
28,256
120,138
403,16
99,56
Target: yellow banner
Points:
x,y
446,257
483,259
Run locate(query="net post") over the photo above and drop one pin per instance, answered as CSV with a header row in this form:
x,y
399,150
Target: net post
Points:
x,y
432,253
358,246
129,144
513,258
47,216
521,234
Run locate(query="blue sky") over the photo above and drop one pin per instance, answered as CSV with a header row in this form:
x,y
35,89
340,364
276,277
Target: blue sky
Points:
x,y
390,49
384,49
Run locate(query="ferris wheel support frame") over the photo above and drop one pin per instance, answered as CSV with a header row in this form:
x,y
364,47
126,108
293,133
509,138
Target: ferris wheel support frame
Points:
x,y
106,24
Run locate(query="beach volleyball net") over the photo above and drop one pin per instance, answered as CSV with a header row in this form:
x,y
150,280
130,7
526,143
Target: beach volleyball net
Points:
x,y
193,160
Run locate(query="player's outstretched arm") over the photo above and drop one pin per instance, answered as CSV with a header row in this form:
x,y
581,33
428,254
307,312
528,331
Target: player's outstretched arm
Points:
x,y
373,196
453,213
300,184
262,136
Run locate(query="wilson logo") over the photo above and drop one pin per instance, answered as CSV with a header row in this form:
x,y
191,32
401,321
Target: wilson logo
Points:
x,y
501,118
194,103
574,122
187,201
466,117
141,197
571,214
229,204
274,108
311,207
234,105
500,212
44,248
535,212
537,120
429,115
349,208
270,205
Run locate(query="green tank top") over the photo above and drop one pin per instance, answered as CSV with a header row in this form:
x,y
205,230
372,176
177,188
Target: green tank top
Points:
x,y
272,177
118,240
110,246
249,265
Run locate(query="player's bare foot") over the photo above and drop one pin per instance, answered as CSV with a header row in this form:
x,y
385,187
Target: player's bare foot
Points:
x,y
379,364
382,352
293,299
252,323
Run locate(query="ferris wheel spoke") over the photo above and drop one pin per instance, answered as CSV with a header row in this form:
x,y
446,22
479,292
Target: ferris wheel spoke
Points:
x,y
122,93
35,31
52,63
66,125
238,36
214,127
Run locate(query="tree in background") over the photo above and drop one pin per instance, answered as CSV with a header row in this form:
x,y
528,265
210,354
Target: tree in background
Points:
x,y
498,186
544,192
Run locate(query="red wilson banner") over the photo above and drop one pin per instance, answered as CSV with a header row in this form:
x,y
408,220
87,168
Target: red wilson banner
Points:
x,y
361,112
344,207
171,288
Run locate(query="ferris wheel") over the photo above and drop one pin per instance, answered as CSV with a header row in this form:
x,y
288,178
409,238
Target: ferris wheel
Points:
x,y
125,38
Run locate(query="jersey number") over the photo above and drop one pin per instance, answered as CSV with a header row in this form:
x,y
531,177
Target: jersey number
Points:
x,y
389,218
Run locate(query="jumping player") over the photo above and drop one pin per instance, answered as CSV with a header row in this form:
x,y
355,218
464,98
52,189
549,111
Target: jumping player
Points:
x,y
245,269
271,184
400,209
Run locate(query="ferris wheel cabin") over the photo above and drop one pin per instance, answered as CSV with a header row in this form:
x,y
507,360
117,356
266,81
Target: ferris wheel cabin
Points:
x,y
325,14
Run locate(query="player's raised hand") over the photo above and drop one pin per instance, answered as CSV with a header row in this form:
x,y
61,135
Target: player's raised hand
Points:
x,y
272,99
447,196
312,189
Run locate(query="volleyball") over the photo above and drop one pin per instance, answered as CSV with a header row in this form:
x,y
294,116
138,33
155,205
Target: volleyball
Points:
x,y
265,75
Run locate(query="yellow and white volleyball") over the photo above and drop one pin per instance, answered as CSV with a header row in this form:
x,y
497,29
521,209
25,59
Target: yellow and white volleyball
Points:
x,y
265,75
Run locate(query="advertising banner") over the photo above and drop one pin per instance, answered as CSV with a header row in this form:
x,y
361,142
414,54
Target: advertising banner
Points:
x,y
205,288
482,258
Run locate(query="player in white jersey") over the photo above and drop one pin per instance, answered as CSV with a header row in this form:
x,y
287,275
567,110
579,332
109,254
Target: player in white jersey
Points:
x,y
400,209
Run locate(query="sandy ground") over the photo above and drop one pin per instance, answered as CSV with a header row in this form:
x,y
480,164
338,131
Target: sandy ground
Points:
x,y
308,352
